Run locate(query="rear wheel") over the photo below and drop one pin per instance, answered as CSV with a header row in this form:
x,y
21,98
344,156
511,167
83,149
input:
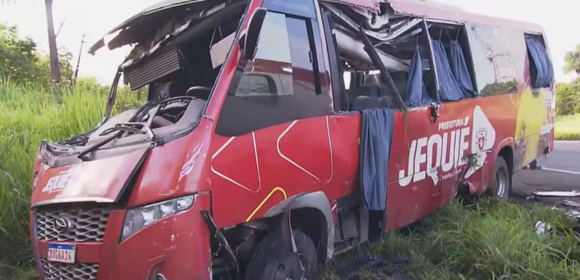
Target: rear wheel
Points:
x,y
270,262
502,180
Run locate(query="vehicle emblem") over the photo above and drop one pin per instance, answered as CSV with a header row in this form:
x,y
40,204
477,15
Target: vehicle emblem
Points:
x,y
63,225
481,138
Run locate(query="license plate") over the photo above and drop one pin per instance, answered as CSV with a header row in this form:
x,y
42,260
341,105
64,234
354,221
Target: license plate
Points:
x,y
61,253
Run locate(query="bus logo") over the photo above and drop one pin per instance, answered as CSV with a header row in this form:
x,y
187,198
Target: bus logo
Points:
x,y
481,138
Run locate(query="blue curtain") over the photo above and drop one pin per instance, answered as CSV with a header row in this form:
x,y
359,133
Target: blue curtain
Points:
x,y
416,92
459,69
375,150
448,85
542,71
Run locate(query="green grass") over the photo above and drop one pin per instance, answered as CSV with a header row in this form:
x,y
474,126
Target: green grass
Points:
x,y
27,116
567,127
486,241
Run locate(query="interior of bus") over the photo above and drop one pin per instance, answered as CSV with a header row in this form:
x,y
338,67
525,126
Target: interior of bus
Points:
x,y
408,59
177,64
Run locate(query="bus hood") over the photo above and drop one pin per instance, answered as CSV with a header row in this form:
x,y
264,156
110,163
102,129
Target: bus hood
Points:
x,y
101,181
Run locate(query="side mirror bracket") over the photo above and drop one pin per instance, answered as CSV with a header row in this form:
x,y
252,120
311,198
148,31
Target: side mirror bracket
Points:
x,y
248,41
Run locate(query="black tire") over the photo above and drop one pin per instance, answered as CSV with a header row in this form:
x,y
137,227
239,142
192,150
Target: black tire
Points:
x,y
501,185
267,257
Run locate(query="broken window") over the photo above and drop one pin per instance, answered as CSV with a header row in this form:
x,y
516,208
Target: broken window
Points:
x,y
406,57
541,68
454,65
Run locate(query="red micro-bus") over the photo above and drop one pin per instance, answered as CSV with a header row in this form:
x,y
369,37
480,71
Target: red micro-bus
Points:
x,y
278,134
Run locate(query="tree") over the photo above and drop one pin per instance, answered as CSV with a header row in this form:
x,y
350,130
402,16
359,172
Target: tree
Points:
x,y
568,98
54,61
21,63
18,59
573,61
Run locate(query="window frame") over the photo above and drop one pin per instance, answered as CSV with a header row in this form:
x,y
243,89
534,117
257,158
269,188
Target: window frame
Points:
x,y
511,50
543,40
467,54
317,69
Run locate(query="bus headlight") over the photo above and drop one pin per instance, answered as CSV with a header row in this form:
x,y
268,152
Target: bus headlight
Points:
x,y
139,218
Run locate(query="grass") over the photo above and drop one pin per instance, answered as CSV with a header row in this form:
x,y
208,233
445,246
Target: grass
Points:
x,y
27,116
484,241
567,127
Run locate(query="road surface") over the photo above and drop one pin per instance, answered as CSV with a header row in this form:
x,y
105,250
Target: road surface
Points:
x,y
565,157
560,172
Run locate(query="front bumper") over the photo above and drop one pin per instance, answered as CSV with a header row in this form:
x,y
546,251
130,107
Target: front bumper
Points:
x,y
177,246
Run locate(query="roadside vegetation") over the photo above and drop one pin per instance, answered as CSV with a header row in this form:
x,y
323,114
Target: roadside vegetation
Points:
x,y
482,241
478,241
567,127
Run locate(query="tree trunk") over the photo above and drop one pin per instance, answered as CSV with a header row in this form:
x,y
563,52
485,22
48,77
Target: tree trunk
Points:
x,y
54,65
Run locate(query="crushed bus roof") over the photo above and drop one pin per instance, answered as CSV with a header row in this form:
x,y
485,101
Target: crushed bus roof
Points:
x,y
164,11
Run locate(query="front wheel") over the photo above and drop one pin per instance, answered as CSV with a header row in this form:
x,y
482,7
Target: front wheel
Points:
x,y
502,181
270,262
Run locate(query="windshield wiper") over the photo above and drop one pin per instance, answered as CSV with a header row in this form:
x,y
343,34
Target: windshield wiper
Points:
x,y
130,127
119,129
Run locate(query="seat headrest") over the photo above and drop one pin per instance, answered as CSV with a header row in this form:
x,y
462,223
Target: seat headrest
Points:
x,y
372,80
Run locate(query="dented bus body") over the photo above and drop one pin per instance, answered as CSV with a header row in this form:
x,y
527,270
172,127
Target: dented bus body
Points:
x,y
278,134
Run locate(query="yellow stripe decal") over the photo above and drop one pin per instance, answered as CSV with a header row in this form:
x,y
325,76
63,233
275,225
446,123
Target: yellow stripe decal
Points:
x,y
266,199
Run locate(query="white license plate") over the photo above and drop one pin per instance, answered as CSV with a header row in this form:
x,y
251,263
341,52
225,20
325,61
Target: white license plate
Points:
x,y
61,253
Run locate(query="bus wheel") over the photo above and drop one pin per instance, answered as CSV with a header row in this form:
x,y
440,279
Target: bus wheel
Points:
x,y
272,261
501,186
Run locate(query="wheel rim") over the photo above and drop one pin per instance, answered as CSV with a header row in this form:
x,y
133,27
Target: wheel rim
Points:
x,y
501,182
283,271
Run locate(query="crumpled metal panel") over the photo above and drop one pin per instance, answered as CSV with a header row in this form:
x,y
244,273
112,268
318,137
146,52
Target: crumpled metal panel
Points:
x,y
369,4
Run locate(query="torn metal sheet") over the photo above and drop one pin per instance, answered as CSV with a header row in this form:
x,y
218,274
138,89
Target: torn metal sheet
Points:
x,y
573,214
558,193
542,228
353,48
161,13
369,4
571,203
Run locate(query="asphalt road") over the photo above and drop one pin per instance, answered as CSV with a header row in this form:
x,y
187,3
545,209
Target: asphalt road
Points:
x,y
564,157
560,172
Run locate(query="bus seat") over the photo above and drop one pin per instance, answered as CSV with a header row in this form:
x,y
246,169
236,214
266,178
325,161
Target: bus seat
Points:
x,y
365,102
371,88
386,102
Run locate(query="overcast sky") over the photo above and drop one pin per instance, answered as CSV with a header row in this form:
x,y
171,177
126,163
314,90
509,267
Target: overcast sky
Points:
x,y
94,18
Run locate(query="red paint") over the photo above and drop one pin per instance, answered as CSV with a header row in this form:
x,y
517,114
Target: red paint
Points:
x,y
100,180
242,177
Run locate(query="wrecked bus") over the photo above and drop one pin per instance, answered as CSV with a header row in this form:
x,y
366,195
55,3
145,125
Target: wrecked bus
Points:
x,y
278,134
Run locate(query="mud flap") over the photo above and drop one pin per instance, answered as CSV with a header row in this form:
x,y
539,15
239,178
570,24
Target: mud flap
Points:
x,y
290,256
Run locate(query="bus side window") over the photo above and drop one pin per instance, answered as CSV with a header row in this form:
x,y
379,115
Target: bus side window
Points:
x,y
541,68
279,85
454,63
499,59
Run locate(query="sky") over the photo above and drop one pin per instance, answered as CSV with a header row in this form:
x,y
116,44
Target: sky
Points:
x,y
94,18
